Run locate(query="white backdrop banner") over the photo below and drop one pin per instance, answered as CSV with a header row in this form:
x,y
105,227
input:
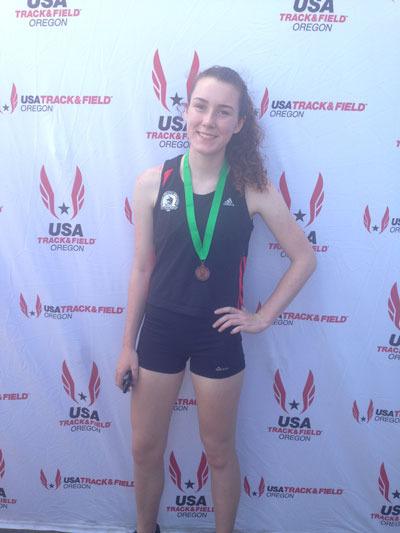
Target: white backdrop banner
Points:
x,y
91,94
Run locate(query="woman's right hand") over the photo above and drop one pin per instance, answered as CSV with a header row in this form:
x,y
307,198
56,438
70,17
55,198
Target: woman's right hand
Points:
x,y
128,360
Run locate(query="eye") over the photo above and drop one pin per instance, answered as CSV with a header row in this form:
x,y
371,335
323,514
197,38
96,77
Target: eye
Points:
x,y
199,106
224,112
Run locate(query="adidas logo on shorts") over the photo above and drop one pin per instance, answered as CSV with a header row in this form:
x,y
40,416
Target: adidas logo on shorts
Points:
x,y
229,202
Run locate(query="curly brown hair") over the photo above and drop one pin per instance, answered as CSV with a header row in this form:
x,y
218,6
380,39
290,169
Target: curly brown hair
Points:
x,y
243,150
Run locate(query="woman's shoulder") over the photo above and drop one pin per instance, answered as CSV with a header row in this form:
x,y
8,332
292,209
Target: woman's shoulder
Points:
x,y
149,177
147,185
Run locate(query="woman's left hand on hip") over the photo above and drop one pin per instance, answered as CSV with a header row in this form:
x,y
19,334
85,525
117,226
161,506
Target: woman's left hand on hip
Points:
x,y
240,319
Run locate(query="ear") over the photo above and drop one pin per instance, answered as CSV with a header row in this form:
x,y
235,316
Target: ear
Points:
x,y
240,124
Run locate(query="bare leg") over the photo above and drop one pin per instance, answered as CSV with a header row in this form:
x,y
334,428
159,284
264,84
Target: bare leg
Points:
x,y
152,401
217,401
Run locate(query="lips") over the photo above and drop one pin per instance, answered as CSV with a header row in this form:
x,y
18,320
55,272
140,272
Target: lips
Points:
x,y
205,135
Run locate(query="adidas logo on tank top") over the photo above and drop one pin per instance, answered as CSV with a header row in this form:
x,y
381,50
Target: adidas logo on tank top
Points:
x,y
229,202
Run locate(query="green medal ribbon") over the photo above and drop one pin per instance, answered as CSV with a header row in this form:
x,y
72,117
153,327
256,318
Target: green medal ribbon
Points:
x,y
202,248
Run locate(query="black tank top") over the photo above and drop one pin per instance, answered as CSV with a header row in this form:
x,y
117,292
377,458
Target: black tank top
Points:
x,y
173,284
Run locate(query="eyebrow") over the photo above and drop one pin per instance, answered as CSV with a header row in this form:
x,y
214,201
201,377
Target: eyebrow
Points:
x,y
206,101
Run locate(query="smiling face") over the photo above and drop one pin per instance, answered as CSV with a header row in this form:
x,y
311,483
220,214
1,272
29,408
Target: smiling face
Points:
x,y
212,116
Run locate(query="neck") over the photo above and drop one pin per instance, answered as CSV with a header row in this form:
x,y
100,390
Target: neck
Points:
x,y
205,168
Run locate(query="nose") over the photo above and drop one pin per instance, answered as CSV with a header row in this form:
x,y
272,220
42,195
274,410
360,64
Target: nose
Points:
x,y
209,118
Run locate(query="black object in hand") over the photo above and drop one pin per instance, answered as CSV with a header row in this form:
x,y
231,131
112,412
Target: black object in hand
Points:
x,y
127,381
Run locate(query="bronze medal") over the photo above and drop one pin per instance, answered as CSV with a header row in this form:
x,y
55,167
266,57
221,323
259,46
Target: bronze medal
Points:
x,y
202,273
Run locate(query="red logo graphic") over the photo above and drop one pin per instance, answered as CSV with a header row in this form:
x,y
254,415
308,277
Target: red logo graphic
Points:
x,y
383,483
160,82
48,486
166,176
308,392
388,515
394,306
24,308
2,465
393,350
69,385
249,492
176,476
356,412
13,101
264,103
316,200
77,194
128,211
384,221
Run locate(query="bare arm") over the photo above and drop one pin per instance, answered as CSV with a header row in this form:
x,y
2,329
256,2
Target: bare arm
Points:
x,y
270,206
273,210
145,194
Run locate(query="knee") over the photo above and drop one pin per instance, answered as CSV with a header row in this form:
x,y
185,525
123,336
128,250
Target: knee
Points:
x,y
220,453
147,451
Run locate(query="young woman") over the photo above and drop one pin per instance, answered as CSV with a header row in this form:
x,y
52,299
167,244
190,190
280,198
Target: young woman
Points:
x,y
192,228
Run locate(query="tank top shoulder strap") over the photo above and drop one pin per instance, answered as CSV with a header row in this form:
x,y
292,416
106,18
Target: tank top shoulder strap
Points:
x,y
170,174
170,188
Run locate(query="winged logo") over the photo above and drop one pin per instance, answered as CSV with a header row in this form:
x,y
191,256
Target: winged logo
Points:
x,y
160,81
384,221
93,387
46,484
24,307
247,489
356,412
176,475
280,392
316,200
77,193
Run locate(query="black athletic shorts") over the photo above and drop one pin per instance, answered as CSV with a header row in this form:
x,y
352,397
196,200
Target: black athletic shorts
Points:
x,y
168,339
